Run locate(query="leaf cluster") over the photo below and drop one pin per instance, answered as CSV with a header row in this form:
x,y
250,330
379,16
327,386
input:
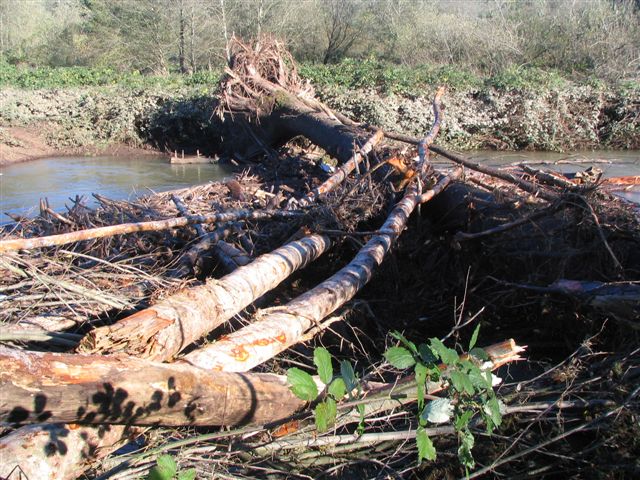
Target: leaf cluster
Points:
x,y
304,387
469,390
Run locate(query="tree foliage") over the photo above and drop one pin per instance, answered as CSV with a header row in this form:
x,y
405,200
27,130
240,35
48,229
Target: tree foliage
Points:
x,y
599,37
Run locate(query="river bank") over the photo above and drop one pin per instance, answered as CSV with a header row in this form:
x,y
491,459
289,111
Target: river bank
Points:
x,y
113,119
22,144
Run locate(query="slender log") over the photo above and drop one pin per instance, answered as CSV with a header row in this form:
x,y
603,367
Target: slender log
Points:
x,y
440,186
163,330
462,236
496,172
487,170
621,300
551,178
49,387
343,171
278,328
154,225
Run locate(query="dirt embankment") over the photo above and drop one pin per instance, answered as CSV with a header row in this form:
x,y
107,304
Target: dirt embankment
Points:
x,y
115,119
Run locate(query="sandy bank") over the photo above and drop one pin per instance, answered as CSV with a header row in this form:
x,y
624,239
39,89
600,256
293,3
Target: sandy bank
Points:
x,y
21,144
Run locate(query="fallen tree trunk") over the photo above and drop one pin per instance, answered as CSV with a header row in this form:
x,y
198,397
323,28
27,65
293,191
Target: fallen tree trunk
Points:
x,y
92,389
276,329
126,390
160,332
262,91
57,451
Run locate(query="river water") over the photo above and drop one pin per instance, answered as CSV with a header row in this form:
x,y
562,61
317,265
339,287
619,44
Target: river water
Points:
x,y
23,185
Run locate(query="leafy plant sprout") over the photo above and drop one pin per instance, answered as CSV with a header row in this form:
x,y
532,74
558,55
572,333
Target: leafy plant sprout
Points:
x,y
467,380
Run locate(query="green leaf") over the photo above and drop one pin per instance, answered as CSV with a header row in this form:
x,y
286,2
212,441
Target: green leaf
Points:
x,y
349,376
464,451
461,382
479,353
474,337
478,379
338,388
447,355
332,410
322,417
187,474
462,421
165,468
361,411
302,384
421,382
402,339
492,407
322,360
399,357
426,354
426,450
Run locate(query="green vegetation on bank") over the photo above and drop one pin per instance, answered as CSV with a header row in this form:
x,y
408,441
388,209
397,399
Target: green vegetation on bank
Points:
x,y
368,74
386,77
64,77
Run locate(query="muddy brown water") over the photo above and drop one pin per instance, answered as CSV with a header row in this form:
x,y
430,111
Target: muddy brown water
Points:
x,y
125,177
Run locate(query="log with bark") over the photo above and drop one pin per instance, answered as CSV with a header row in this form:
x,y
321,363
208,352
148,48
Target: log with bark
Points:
x,y
101,389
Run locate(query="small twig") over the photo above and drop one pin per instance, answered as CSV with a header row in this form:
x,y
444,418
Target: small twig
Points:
x,y
462,236
584,426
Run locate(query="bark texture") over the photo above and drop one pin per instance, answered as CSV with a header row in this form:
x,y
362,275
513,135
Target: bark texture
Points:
x,y
48,387
163,330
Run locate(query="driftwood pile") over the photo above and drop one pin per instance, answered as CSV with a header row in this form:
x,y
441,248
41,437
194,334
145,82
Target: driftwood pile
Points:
x,y
184,309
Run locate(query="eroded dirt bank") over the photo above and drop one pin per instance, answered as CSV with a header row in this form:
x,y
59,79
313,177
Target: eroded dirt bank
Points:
x,y
36,123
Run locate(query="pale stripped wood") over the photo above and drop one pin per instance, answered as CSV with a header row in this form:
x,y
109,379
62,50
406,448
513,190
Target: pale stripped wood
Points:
x,y
163,330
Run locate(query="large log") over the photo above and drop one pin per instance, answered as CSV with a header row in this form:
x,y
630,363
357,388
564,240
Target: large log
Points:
x,y
50,387
57,451
263,92
163,330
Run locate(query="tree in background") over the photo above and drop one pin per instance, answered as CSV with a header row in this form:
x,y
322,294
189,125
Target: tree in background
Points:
x,y
595,37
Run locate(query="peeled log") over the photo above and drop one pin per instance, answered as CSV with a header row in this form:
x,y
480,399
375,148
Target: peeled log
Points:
x,y
278,328
163,330
49,387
